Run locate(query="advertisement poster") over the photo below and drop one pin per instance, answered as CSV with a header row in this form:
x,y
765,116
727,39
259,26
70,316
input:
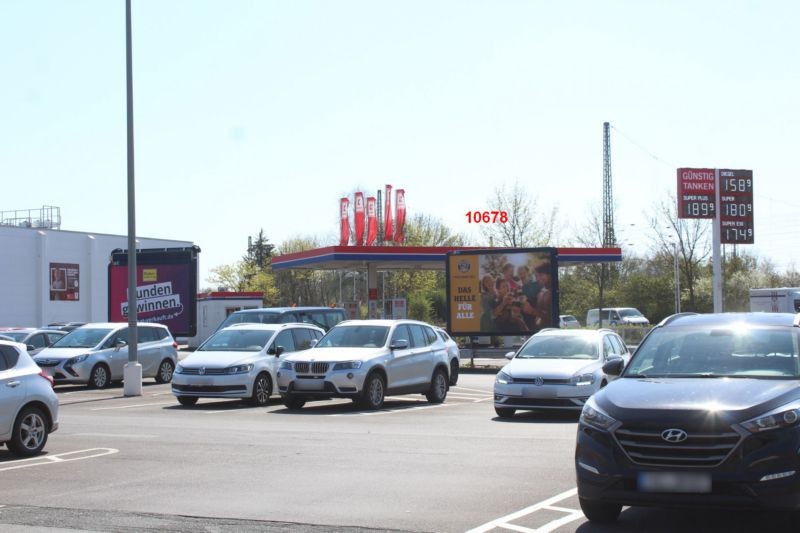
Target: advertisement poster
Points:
x,y
65,281
502,292
166,289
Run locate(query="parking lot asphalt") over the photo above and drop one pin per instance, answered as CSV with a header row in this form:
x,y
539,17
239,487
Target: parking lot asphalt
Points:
x,y
146,463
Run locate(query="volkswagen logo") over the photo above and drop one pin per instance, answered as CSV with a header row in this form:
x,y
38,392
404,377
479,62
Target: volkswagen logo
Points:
x,y
674,436
538,381
202,370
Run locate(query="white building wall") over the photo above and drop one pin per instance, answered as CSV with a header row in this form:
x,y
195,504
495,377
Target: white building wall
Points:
x,y
25,257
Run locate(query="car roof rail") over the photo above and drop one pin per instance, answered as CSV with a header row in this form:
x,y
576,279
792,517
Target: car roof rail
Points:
x,y
674,317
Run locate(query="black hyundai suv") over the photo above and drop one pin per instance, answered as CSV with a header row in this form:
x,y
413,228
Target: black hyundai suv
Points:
x,y
707,413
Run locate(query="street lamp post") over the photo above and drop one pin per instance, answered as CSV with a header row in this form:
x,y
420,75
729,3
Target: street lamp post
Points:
x,y
132,373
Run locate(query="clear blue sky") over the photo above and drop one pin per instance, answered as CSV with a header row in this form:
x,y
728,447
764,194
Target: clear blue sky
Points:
x,y
261,114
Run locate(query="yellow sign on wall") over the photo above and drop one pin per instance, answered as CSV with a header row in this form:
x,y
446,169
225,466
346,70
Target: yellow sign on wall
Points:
x,y
149,274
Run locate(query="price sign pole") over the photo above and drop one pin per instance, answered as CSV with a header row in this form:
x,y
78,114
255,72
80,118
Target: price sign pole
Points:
x,y
726,197
716,252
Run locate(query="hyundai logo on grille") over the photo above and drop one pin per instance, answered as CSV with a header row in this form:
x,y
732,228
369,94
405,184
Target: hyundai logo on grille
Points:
x,y
538,381
674,436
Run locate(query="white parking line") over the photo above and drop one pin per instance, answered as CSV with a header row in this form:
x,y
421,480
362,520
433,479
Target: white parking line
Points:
x,y
59,458
113,435
130,406
505,521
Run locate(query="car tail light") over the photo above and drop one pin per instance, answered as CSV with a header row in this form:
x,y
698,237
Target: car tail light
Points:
x,y
48,378
175,345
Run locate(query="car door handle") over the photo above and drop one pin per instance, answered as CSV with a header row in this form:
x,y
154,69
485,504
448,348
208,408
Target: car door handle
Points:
x,y
13,384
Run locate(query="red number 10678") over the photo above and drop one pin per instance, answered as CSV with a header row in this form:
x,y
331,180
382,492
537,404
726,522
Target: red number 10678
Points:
x,y
487,217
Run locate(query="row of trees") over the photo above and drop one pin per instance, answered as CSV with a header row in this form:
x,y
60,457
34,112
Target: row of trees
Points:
x,y
644,281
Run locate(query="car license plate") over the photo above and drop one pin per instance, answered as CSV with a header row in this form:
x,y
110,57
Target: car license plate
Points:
x,y
678,482
309,384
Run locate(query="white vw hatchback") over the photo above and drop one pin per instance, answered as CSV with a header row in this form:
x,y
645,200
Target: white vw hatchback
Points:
x,y
240,361
556,369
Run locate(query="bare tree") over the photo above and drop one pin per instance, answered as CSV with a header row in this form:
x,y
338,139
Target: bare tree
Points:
x,y
691,238
524,227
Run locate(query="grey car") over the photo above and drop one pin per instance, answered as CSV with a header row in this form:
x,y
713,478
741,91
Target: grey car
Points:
x,y
95,354
28,404
34,339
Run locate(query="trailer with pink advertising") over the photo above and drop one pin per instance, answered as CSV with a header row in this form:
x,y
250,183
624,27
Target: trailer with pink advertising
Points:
x,y
166,288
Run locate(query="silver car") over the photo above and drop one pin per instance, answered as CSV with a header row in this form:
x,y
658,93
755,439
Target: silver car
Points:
x,y
453,354
95,354
241,361
34,339
367,360
556,369
28,404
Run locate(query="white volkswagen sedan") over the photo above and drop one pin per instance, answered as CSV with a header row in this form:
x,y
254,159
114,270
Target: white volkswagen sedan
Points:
x,y
556,369
240,361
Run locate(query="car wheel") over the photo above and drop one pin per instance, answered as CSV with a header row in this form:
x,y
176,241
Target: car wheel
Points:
x,y
165,370
30,432
505,412
99,377
187,401
438,390
262,390
374,391
293,402
453,372
599,512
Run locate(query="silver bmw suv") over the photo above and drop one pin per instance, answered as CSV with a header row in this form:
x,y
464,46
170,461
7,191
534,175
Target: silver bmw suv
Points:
x,y
367,360
95,354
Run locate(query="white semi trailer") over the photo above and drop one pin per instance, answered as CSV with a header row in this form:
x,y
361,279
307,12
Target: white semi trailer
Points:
x,y
779,300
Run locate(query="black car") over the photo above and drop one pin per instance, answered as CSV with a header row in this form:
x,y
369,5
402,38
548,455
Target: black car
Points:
x,y
707,413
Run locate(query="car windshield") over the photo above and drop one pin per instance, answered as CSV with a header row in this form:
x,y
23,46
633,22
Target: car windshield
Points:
x,y
559,347
630,313
266,317
237,340
724,352
82,338
354,337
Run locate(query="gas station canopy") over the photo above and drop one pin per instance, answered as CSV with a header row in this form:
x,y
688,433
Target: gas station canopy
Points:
x,y
413,257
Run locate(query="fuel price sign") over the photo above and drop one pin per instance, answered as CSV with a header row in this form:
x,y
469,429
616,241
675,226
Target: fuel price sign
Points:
x,y
736,206
697,193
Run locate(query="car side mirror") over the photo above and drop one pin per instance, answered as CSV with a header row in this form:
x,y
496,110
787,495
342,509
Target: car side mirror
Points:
x,y
510,355
119,343
614,366
312,343
399,344
279,350
30,347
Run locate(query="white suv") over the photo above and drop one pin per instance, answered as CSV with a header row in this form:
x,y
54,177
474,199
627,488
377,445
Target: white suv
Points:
x,y
366,360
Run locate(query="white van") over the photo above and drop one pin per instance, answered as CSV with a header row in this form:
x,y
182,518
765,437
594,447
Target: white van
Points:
x,y
617,316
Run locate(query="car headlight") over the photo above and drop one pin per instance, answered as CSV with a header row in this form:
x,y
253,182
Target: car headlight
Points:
x,y
582,379
591,415
285,365
239,369
76,360
503,378
784,416
347,365
178,369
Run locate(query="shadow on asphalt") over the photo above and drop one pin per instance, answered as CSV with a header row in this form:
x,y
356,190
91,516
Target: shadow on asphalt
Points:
x,y
541,417
668,520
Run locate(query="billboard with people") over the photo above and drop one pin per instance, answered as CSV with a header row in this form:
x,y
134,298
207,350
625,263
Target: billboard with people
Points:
x,y
502,292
